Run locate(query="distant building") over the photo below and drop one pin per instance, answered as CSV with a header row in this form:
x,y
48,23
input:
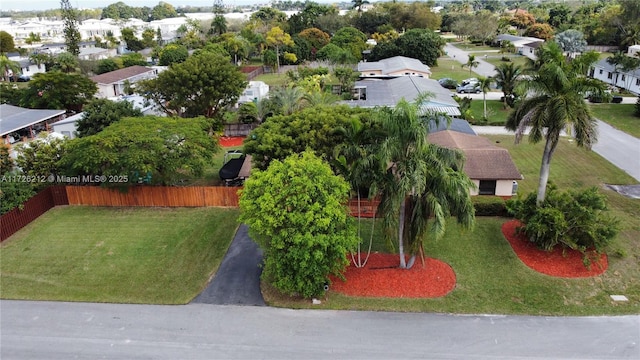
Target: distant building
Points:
x,y
112,83
394,67
629,80
524,45
255,91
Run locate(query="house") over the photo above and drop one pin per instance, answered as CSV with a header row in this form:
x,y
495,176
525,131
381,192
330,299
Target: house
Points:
x,y
17,122
255,91
629,80
371,93
27,67
490,167
68,126
524,45
394,67
113,83
634,50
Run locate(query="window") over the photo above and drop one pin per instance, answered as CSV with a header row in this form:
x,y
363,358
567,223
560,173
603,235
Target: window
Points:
x,y
609,75
637,82
487,187
67,133
622,77
600,72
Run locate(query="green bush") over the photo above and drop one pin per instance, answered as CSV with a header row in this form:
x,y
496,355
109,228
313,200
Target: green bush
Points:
x,y
14,193
296,213
575,219
489,206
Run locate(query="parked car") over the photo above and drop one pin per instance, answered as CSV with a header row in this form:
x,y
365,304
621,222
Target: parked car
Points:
x,y
448,83
23,78
469,81
469,88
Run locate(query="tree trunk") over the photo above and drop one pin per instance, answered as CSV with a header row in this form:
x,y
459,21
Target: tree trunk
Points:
x,y
403,264
484,100
544,170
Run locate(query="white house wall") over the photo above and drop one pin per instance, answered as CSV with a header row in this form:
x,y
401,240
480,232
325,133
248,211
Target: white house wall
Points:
x,y
609,77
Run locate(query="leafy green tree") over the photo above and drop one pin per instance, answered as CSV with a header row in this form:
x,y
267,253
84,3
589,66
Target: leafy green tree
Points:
x,y
6,42
350,39
71,33
553,101
335,54
559,15
149,38
41,157
421,180
129,36
58,90
205,84
237,46
574,219
6,162
346,76
169,149
540,31
316,37
296,212
14,194
312,128
219,25
107,65
66,62
422,44
132,59
277,38
471,63
100,113
173,54
162,11
118,10
507,75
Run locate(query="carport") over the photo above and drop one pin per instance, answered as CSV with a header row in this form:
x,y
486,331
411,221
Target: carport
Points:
x,y
23,123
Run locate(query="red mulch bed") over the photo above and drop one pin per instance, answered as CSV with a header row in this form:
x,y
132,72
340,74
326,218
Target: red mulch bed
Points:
x,y
559,263
381,277
229,141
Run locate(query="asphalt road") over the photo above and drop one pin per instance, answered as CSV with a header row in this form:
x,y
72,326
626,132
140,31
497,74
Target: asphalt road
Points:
x,y
56,330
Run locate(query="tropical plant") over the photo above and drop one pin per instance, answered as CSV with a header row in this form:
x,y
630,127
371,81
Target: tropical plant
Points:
x,y
71,33
296,212
277,38
507,75
100,113
40,158
484,85
10,68
421,180
575,219
553,101
471,63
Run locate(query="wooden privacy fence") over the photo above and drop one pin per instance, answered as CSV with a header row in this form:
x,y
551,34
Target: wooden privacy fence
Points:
x,y
162,196
17,218
142,196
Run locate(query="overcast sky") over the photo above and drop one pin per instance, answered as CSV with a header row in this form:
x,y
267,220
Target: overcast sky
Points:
x,y
79,4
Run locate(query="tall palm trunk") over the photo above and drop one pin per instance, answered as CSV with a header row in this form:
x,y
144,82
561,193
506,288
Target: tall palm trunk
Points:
x,y
484,100
545,167
403,263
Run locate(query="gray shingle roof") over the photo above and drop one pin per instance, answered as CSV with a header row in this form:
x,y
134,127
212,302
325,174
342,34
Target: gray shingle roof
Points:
x,y
14,118
484,160
393,64
390,92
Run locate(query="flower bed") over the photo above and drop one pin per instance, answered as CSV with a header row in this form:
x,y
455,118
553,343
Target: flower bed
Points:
x,y
558,262
229,141
381,277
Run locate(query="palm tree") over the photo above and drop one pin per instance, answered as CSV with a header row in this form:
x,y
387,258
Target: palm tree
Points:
x,y
316,98
67,62
506,78
419,179
10,68
219,25
288,99
355,159
554,102
485,85
471,63
39,58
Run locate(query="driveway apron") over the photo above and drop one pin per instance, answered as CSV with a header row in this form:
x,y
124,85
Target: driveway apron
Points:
x,y
237,281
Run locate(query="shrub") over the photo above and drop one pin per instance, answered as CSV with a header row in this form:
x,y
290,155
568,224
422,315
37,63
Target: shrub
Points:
x,y
489,206
505,59
296,212
574,219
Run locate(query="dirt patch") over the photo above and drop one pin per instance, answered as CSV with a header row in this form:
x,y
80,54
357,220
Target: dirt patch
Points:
x,y
231,141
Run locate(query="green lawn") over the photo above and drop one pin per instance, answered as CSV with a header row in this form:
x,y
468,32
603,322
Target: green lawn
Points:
x,y
211,177
495,113
472,48
450,68
496,59
619,116
490,277
122,255
273,80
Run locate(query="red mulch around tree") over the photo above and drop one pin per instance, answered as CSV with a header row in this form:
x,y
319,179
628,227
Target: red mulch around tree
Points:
x,y
229,141
381,277
559,263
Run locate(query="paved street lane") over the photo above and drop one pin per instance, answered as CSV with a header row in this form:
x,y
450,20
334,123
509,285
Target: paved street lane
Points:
x,y
50,330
